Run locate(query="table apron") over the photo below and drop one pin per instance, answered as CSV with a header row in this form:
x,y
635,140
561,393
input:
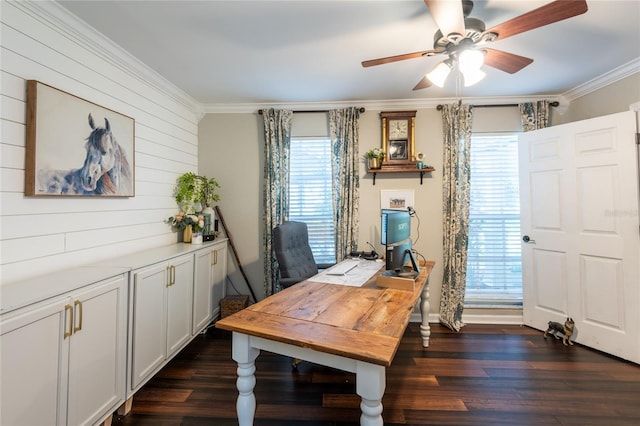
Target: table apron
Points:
x,y
307,354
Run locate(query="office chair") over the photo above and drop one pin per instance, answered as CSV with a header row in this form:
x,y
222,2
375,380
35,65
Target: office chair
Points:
x,y
295,259
292,250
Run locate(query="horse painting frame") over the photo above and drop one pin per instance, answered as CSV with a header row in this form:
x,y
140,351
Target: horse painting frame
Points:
x,y
76,148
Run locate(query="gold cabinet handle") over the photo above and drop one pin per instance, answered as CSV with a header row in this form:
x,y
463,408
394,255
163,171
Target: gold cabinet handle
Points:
x,y
171,275
68,309
215,257
77,305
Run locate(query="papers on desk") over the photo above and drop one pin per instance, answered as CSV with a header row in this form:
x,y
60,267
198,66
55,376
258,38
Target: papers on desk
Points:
x,y
354,277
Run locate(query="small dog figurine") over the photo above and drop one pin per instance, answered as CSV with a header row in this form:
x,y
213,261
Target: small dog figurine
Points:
x,y
566,330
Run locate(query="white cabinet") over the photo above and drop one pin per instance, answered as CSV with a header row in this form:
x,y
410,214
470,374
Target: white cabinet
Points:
x,y
210,273
161,315
63,360
75,344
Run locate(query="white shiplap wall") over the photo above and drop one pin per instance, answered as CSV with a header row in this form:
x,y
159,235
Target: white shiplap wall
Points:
x,y
41,41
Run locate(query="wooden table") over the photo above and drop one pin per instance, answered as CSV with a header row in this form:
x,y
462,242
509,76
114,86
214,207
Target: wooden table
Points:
x,y
355,329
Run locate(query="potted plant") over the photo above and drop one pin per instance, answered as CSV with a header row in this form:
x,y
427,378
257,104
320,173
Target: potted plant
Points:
x,y
189,192
374,157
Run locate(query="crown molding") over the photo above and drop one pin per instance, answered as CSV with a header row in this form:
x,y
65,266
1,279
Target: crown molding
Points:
x,y
623,71
61,20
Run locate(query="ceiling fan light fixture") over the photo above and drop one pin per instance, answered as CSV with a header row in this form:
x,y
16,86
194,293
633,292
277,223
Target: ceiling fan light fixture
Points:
x,y
440,73
472,76
470,59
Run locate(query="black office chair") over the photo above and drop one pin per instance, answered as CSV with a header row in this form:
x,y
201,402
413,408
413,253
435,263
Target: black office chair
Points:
x,y
292,250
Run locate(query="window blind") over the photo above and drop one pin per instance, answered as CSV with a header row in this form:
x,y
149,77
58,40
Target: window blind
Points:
x,y
310,198
494,268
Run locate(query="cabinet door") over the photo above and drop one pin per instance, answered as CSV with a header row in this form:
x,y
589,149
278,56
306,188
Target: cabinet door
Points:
x,y
97,354
179,303
148,339
219,276
202,289
33,371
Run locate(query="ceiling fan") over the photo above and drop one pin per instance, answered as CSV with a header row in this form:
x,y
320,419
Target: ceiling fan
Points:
x,y
463,39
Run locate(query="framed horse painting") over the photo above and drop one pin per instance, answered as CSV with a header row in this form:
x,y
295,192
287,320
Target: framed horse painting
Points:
x,y
75,147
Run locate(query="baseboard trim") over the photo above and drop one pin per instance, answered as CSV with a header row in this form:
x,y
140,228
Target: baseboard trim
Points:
x,y
476,319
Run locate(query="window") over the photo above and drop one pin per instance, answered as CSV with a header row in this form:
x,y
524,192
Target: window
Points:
x,y
310,198
494,271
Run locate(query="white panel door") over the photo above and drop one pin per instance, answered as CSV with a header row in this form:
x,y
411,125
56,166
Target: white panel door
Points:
x,y
98,352
148,329
219,276
202,285
34,348
579,214
179,304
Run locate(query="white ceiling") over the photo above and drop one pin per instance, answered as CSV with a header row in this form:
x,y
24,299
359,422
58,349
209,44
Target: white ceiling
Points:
x,y
291,52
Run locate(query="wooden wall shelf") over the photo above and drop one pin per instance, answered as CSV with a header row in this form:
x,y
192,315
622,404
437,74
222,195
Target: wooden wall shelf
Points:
x,y
400,169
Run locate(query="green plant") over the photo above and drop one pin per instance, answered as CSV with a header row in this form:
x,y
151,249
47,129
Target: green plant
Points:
x,y
188,192
209,191
374,153
192,189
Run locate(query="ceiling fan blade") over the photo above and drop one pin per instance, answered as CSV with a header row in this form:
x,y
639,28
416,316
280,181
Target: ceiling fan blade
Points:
x,y
397,58
504,61
544,15
423,84
448,16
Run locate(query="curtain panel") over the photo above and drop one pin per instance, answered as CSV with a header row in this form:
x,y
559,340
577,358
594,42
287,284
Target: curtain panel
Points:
x,y
534,115
344,127
456,123
277,139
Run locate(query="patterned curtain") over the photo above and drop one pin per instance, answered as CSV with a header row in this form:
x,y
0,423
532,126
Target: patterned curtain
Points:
x,y
277,137
456,122
344,126
534,115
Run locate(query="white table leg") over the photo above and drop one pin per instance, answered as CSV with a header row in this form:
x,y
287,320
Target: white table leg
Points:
x,y
370,385
425,329
245,356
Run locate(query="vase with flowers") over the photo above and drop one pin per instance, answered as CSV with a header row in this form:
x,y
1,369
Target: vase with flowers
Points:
x,y
374,158
190,225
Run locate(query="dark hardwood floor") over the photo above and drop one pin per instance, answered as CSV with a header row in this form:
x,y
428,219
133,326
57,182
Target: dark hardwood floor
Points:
x,y
484,375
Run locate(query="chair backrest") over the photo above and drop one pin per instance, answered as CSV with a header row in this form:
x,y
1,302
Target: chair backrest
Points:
x,y
292,250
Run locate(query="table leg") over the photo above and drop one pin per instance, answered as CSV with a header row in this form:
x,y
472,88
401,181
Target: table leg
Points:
x,y
245,356
425,329
370,385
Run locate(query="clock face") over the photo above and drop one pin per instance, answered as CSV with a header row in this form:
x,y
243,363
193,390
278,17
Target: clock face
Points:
x,y
398,129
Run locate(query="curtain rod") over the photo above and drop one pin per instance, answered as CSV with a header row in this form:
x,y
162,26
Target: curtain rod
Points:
x,y
260,111
553,104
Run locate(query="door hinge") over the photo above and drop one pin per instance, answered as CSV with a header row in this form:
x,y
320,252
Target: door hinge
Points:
x,y
637,138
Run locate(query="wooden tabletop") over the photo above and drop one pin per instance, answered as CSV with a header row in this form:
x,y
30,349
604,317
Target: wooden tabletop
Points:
x,y
363,323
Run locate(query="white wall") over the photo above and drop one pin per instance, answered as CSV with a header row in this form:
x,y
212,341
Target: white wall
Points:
x,y
41,41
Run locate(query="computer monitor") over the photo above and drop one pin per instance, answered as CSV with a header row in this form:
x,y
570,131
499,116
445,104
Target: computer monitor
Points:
x,y
395,226
396,237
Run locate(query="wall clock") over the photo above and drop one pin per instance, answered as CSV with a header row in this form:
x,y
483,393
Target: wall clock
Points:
x,y
398,137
